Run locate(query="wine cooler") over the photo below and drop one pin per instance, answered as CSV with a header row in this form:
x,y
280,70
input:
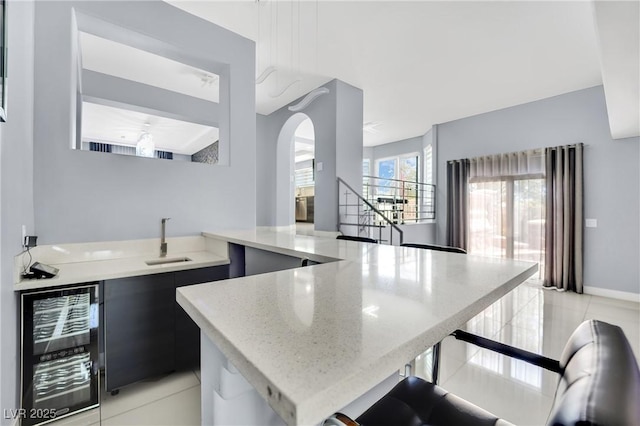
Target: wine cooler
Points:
x,y
59,353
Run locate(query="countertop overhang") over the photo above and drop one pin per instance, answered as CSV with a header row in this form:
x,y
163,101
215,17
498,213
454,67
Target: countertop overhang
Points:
x,y
313,339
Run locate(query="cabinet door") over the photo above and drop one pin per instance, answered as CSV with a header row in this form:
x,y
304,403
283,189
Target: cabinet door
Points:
x,y
139,328
187,332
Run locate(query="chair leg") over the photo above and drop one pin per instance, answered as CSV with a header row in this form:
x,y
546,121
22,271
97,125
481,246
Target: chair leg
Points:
x,y
409,368
435,363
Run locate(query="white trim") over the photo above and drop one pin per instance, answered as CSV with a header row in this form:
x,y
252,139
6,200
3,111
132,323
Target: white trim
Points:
x,y
613,294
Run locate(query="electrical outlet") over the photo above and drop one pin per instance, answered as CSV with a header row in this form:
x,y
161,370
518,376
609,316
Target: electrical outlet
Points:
x,y
30,241
24,234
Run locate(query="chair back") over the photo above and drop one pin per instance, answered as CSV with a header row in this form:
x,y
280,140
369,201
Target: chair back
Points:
x,y
359,239
600,380
435,247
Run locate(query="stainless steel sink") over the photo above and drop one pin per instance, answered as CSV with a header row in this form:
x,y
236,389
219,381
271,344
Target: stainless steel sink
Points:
x,y
164,261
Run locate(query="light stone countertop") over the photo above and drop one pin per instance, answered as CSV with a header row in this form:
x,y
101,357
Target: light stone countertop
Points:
x,y
87,262
323,335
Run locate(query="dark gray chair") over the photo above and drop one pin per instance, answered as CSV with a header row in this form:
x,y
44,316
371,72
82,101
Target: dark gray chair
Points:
x,y
599,385
359,239
435,247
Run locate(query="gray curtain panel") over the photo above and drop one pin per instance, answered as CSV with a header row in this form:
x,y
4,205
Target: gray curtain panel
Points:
x,y
564,218
457,181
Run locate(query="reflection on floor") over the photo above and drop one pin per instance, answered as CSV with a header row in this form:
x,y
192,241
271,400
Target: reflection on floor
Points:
x,y
529,317
537,320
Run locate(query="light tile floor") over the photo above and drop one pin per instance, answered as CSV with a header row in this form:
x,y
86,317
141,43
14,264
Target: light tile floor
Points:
x,y
529,317
533,319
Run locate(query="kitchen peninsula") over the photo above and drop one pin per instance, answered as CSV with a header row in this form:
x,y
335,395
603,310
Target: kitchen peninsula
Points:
x,y
309,341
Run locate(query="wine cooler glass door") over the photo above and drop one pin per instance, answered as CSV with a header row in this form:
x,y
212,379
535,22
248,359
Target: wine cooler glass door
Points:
x,y
59,353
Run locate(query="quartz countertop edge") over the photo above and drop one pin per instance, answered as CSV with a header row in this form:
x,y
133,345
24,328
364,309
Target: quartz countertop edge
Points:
x,y
96,270
311,252
349,387
294,406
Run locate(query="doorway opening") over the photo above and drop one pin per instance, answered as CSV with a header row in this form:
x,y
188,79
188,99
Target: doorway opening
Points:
x,y
304,160
295,174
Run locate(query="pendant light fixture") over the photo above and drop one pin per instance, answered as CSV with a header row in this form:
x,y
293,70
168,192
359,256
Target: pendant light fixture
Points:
x,y
311,96
145,146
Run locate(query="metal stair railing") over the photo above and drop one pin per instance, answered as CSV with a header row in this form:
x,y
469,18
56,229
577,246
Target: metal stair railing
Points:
x,y
400,200
368,217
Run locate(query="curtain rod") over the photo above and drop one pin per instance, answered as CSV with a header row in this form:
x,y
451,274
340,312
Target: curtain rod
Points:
x,y
517,152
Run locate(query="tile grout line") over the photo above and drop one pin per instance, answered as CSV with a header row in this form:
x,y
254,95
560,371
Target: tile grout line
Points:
x,y
584,317
145,404
150,402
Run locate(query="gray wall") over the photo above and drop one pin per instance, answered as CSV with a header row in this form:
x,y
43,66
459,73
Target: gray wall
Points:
x,y
611,171
349,119
118,92
85,196
337,122
395,149
16,196
266,144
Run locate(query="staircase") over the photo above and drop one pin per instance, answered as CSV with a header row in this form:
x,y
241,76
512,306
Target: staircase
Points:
x,y
359,217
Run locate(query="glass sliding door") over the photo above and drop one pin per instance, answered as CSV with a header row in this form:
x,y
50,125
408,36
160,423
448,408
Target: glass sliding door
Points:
x,y
506,218
487,218
529,220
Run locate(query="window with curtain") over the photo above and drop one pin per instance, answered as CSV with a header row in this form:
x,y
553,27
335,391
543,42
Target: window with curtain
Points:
x,y
166,155
99,147
526,205
506,206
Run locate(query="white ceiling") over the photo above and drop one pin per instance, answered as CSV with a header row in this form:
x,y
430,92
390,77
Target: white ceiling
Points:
x,y
420,62
107,124
119,60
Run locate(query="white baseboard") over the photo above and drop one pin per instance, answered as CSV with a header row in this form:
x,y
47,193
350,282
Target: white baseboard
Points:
x,y
613,294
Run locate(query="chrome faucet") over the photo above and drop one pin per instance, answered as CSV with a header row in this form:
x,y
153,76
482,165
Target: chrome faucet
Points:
x,y
163,243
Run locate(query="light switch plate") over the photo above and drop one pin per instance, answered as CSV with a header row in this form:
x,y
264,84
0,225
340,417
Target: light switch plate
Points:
x,y
319,166
591,223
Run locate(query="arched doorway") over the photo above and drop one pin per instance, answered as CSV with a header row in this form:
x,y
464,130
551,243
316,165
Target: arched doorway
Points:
x,y
297,127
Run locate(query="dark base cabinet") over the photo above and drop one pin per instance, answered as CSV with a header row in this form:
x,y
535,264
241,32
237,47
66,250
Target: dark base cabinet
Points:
x,y
187,335
146,332
139,328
